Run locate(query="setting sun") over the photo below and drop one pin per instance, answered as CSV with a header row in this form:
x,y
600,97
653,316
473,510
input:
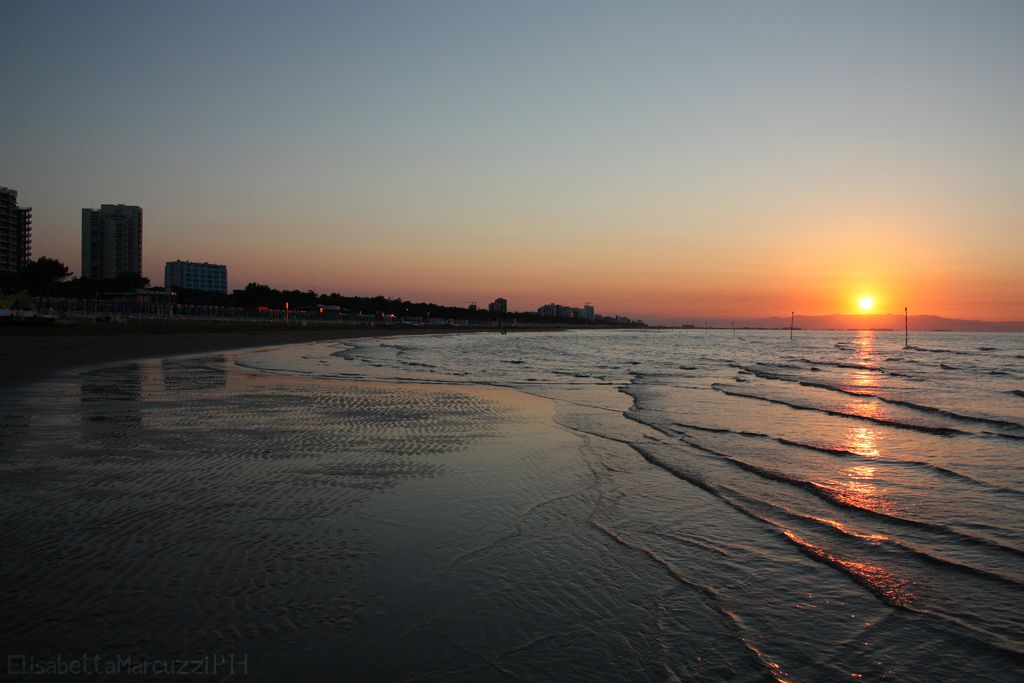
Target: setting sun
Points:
x,y
866,303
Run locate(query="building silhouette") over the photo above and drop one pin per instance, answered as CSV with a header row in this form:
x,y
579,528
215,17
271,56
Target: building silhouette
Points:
x,y
555,311
204,277
111,241
15,232
587,312
559,311
499,305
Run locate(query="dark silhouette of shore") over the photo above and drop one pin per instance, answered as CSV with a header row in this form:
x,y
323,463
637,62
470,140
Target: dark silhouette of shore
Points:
x,y
34,353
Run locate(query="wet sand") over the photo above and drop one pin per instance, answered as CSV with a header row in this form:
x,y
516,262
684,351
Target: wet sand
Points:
x,y
29,354
189,507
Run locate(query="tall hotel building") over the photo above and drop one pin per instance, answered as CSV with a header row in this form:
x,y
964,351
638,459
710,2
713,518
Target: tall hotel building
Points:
x,y
205,277
111,241
15,232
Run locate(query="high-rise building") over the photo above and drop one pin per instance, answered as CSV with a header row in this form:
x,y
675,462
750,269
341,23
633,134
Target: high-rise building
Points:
x,y
558,311
586,312
205,277
555,311
111,241
499,305
15,232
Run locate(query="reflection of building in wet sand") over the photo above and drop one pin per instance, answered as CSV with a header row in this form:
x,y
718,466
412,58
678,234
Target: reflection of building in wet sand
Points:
x,y
122,406
111,401
194,374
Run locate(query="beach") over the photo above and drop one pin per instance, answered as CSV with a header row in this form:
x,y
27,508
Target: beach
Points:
x,y
33,353
184,507
598,505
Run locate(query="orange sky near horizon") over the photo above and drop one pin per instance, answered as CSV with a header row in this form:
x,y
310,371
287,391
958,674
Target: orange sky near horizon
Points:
x,y
816,260
813,269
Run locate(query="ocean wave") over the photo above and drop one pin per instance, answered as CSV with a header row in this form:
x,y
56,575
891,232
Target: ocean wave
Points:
x,y
949,413
919,464
783,365
1014,437
893,401
887,586
415,364
951,351
758,658
844,531
567,373
840,364
724,430
922,348
916,464
831,495
929,429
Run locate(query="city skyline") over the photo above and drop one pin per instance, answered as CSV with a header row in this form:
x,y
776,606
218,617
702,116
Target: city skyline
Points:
x,y
666,162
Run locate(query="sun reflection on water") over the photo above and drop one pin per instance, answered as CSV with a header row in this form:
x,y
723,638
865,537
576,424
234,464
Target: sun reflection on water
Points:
x,y
856,484
866,375
864,494
860,472
868,408
863,379
836,524
863,441
889,586
864,345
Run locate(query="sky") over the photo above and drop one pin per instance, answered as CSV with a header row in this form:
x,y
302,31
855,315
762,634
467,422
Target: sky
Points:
x,y
662,160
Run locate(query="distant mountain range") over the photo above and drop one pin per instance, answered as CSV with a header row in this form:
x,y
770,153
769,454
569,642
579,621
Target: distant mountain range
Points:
x,y
838,321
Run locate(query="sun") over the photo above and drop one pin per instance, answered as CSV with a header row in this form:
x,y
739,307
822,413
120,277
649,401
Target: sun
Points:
x,y
866,303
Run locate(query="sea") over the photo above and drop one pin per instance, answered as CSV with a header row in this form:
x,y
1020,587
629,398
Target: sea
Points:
x,y
672,504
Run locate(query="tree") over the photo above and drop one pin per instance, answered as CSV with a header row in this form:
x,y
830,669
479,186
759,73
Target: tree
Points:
x,y
130,281
42,275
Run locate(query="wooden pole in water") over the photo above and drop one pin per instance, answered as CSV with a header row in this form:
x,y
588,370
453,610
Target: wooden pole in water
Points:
x,y
792,316
906,328
734,328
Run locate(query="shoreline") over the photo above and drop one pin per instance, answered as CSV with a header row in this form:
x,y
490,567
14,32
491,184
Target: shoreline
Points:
x,y
31,355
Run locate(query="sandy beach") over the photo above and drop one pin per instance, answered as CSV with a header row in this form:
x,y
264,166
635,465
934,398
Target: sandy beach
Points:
x,y
187,507
33,353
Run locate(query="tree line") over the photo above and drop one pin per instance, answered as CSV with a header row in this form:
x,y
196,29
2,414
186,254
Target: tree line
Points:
x,y
49,277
